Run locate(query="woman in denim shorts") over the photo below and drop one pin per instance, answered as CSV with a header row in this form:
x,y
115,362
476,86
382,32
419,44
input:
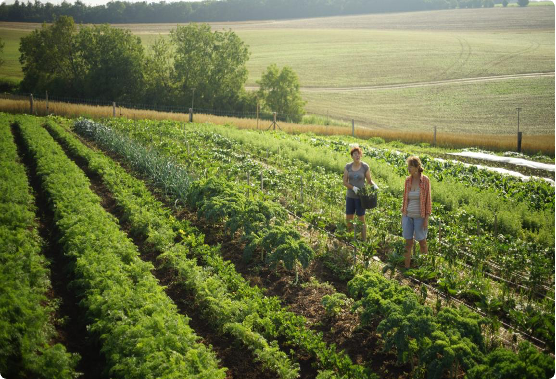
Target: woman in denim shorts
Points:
x,y
355,174
416,209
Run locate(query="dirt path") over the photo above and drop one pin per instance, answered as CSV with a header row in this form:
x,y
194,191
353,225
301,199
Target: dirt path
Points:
x,y
420,84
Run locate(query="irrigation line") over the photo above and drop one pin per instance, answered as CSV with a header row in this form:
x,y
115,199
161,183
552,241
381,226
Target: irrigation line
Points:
x,y
497,278
490,264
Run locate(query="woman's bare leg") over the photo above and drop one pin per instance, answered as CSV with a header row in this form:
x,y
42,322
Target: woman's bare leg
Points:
x,y
408,247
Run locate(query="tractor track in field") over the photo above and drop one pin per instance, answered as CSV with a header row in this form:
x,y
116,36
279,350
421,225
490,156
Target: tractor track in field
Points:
x,y
70,324
239,364
461,60
507,57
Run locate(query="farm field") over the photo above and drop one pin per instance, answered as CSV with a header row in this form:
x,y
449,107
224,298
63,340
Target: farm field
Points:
x,y
366,67
269,267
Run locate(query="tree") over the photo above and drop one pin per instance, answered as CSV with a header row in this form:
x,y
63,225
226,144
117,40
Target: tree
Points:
x,y
50,60
488,3
97,62
279,91
212,63
113,59
159,74
523,3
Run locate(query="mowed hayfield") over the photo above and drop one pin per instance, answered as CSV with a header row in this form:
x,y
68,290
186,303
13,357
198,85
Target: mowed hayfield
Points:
x,y
463,70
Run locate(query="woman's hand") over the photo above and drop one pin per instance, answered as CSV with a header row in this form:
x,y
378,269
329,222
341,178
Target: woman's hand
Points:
x,y
355,189
426,222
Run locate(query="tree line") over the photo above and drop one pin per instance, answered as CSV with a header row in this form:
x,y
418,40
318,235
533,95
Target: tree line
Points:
x,y
195,66
227,10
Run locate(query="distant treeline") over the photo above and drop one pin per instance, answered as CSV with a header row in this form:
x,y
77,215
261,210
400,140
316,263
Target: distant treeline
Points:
x,y
225,10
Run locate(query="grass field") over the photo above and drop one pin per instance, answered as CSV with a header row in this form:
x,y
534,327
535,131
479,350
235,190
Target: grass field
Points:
x,y
334,57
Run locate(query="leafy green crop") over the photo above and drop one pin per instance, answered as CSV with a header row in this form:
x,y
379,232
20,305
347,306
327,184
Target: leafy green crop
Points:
x,y
26,325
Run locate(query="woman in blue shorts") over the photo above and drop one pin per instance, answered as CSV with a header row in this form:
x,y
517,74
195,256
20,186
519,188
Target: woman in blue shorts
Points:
x,y
416,208
355,174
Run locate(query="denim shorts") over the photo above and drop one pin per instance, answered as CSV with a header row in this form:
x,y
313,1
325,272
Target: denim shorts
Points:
x,y
414,227
354,206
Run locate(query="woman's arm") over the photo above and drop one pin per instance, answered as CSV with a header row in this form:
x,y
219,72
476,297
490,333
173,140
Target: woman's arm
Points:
x,y
404,197
346,180
368,177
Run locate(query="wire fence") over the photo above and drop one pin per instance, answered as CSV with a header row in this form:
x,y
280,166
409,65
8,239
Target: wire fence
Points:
x,y
316,123
264,115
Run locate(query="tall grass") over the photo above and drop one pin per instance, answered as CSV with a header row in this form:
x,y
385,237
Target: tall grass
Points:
x,y
531,144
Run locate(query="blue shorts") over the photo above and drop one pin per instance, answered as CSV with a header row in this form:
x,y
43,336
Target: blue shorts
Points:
x,y
354,206
414,227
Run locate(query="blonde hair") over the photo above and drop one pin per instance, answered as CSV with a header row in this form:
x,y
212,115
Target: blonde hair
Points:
x,y
415,162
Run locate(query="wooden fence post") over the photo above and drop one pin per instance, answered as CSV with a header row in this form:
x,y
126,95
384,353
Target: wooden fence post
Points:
x,y
352,127
519,138
46,102
257,115
113,109
190,114
31,103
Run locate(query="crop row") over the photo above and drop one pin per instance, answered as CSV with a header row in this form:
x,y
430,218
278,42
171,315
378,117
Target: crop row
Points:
x,y
141,333
26,328
228,196
228,300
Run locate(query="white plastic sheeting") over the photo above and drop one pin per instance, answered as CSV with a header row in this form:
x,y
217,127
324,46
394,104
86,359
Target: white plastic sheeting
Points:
x,y
501,170
511,160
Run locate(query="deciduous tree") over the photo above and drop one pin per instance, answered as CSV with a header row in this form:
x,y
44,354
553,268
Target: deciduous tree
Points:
x,y
211,62
50,59
279,91
113,59
97,62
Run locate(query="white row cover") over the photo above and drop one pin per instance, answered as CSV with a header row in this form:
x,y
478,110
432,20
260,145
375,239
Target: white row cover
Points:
x,y
511,160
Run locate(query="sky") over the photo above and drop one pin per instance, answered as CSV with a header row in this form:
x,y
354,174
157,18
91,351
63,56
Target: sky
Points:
x,y
90,2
